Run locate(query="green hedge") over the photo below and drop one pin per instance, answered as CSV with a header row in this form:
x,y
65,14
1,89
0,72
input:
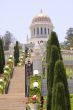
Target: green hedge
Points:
x,y
71,99
35,79
34,91
1,87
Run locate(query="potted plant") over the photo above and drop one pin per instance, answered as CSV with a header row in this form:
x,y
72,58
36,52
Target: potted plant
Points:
x,y
33,104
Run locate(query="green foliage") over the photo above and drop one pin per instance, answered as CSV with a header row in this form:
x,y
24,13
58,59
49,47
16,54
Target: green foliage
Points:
x,y
50,76
60,76
34,91
60,102
21,60
6,81
35,79
45,101
16,53
26,52
7,71
52,41
7,74
53,54
53,58
7,39
2,58
1,62
69,38
2,49
71,99
1,87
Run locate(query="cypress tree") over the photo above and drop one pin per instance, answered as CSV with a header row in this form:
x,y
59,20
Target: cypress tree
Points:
x,y
52,41
53,58
1,61
2,49
16,53
60,102
60,76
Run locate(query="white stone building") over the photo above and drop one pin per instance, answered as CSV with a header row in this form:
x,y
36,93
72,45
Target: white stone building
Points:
x,y
40,29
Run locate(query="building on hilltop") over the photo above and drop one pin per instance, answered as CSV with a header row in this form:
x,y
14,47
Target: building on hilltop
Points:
x,y
40,30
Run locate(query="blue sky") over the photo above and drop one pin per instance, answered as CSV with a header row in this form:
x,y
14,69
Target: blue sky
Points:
x,y
16,16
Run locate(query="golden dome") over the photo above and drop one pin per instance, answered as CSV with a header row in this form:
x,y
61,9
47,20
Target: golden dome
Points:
x,y
41,17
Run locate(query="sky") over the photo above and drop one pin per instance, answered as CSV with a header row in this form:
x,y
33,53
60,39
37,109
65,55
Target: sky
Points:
x,y
16,16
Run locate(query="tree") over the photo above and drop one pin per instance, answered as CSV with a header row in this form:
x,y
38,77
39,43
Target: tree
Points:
x,y
52,41
53,58
26,51
60,76
16,53
53,54
7,40
1,58
60,102
69,38
2,50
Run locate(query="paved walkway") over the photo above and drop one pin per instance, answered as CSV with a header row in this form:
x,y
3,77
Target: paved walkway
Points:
x,y
15,99
17,85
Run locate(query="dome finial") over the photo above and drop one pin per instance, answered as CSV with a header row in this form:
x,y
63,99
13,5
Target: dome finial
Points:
x,y
41,11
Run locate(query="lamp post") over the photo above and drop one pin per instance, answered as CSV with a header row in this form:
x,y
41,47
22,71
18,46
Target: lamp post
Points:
x,y
35,72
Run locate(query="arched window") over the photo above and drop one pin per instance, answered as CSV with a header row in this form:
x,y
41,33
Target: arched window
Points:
x,y
48,30
34,31
41,30
37,30
44,30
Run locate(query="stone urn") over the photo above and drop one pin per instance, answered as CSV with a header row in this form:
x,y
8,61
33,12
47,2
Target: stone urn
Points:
x,y
33,106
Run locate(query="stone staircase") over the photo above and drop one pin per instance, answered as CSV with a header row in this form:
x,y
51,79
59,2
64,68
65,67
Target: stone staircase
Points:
x,y
12,102
17,85
15,99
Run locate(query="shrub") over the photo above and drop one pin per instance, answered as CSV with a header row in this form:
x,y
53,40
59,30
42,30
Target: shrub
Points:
x,y
60,76
50,73
16,53
35,79
34,91
60,102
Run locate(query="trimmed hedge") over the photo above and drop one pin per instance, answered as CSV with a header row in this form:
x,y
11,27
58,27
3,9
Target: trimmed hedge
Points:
x,y
71,100
34,91
2,89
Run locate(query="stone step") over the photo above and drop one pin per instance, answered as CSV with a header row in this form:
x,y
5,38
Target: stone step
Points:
x,y
15,102
15,99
